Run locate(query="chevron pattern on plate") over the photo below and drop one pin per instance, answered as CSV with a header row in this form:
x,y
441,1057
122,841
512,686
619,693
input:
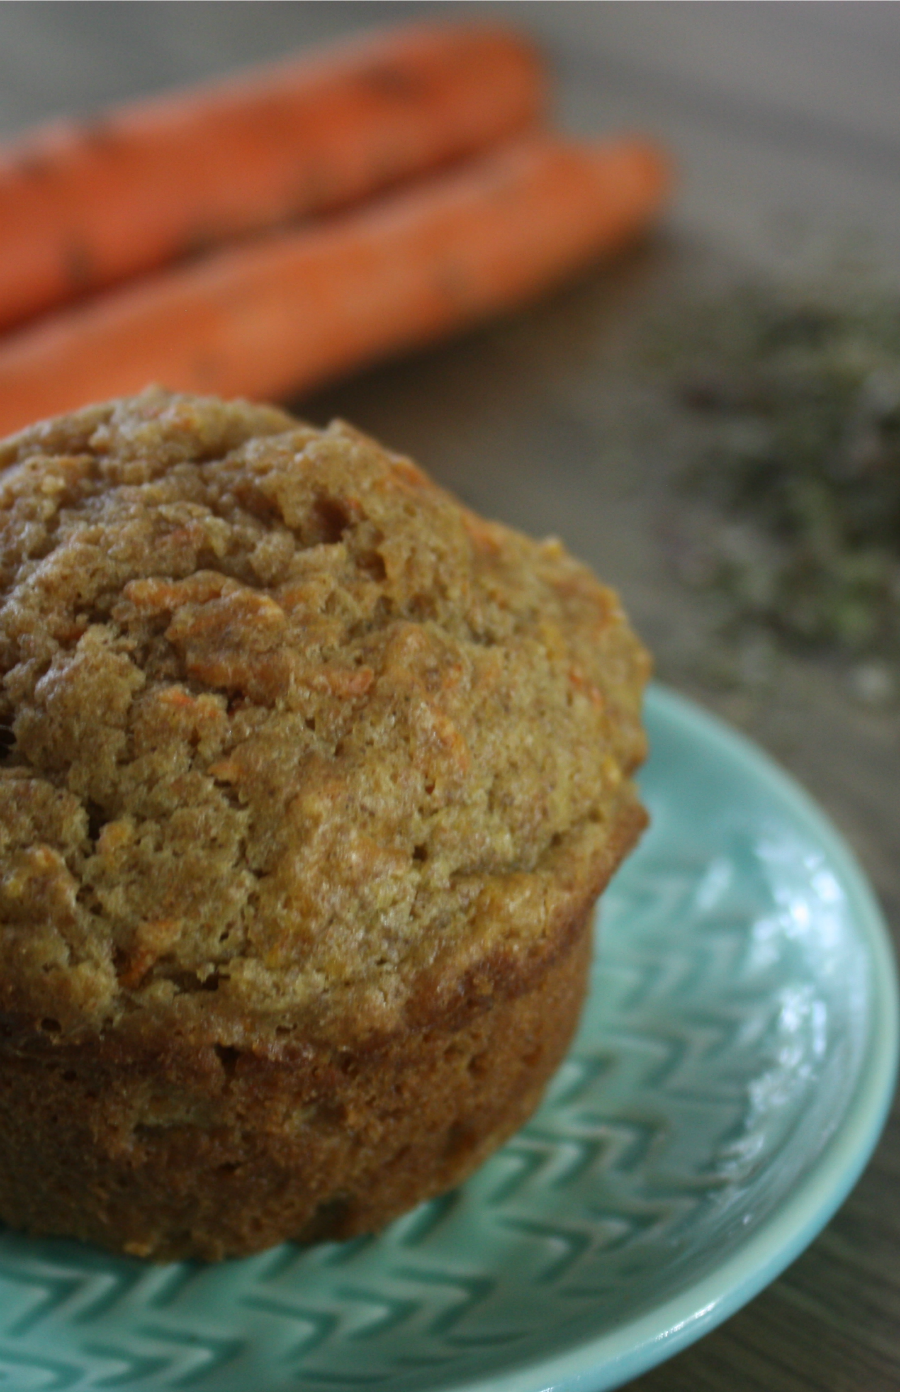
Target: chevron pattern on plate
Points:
x,y
720,1043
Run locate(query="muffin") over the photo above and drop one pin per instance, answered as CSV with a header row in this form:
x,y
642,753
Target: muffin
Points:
x,y
310,780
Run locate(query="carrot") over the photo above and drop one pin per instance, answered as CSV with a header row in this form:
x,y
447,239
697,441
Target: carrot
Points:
x,y
290,311
85,205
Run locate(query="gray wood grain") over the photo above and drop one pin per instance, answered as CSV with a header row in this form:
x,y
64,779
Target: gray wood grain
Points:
x,y
785,122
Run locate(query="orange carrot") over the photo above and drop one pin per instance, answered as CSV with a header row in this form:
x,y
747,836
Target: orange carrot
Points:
x,y
271,318
85,205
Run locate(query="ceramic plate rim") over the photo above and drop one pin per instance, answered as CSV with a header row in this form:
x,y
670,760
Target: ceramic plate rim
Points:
x,y
600,1362
608,1360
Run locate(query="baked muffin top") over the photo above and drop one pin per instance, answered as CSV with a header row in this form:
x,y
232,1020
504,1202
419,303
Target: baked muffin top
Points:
x,y
290,734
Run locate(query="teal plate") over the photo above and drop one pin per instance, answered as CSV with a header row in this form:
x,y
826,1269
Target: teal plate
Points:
x,y
730,1078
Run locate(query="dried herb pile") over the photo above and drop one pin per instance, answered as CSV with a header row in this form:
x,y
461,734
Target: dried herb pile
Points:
x,y
796,474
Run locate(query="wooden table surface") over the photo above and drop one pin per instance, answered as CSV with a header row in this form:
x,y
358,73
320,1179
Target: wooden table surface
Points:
x,y
785,121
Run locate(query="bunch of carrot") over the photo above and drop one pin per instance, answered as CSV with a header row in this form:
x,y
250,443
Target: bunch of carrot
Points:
x,y
260,236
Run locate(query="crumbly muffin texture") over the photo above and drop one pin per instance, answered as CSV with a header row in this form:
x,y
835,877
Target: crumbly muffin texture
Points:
x,y
291,738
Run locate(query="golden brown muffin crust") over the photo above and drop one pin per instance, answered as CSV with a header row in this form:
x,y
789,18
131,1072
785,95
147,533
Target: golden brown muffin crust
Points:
x,y
295,739
170,1153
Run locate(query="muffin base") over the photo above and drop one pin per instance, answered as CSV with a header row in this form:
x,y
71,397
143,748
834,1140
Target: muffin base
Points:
x,y
213,1152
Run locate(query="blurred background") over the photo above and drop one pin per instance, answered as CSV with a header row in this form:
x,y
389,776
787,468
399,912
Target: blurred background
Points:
x,y
646,412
